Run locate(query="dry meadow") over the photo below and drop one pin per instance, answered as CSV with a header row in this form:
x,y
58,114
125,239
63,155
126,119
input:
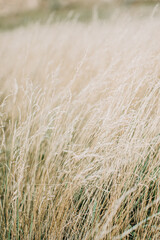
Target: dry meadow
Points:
x,y
80,130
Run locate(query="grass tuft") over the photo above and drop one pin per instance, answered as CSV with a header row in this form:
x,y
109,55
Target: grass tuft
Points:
x,y
79,130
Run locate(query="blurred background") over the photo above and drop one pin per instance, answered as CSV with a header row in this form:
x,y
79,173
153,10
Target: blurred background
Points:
x,y
10,6
16,12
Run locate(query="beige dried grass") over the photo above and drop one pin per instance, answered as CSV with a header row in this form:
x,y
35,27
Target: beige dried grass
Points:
x,y
80,131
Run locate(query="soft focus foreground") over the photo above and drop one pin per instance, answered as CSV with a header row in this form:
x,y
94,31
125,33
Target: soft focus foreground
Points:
x,y
80,131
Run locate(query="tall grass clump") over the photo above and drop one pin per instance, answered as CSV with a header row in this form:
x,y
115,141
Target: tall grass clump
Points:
x,y
80,131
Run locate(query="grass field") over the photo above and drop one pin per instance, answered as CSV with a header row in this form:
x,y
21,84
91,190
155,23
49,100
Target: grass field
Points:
x,y
82,13
80,130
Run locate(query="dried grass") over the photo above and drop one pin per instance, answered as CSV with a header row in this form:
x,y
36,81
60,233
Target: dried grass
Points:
x,y
80,131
